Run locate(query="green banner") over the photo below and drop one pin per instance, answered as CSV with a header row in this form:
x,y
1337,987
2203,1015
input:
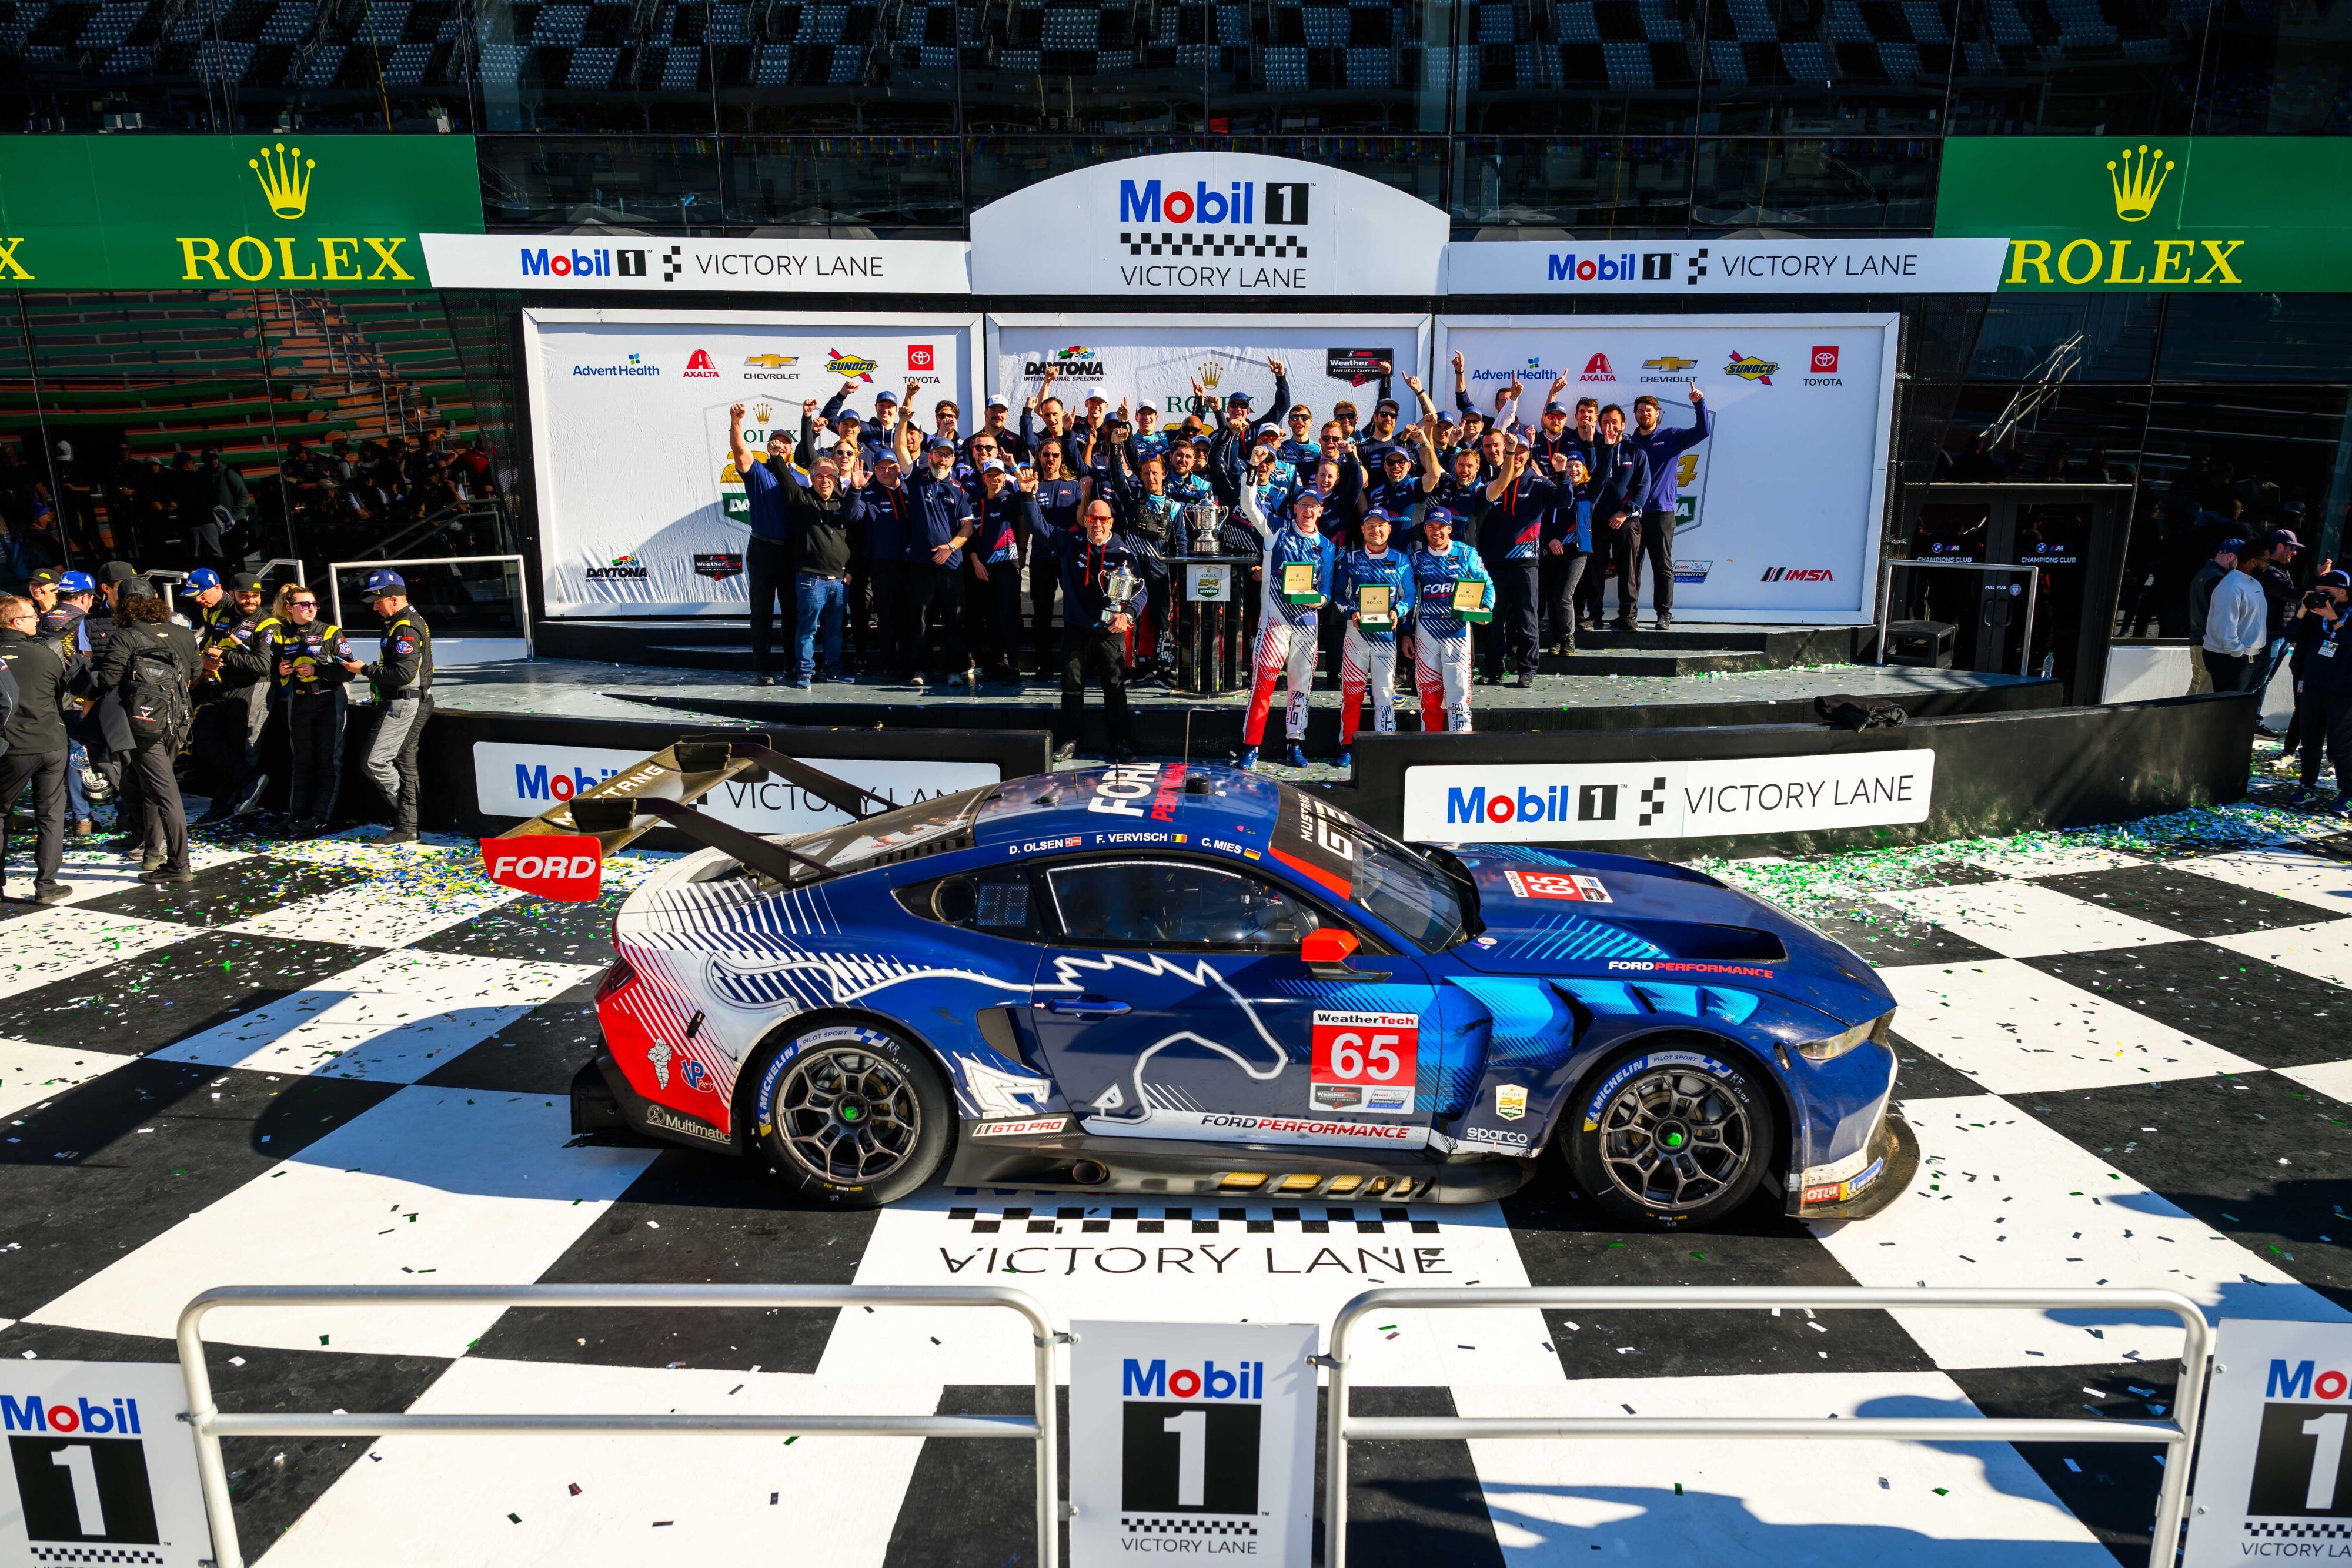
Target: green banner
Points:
x,y
284,211
2171,212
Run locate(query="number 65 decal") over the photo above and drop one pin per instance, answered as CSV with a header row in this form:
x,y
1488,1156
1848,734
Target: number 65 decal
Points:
x,y
1366,1048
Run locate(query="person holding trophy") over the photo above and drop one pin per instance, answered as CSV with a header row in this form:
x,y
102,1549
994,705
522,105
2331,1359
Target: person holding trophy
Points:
x,y
1102,583
1375,590
1452,591
1296,573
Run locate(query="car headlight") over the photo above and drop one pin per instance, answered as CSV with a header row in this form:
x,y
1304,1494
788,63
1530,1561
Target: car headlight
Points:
x,y
1837,1045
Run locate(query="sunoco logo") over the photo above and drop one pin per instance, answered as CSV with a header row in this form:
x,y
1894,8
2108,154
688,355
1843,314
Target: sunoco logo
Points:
x,y
841,364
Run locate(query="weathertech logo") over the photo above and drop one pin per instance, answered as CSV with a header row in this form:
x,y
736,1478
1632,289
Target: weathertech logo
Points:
x,y
1798,574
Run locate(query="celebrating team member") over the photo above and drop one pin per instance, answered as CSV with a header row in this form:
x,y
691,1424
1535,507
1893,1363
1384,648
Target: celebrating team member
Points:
x,y
1441,637
889,523
1567,539
150,662
1044,405
1375,589
401,678
1058,495
308,664
1622,475
1009,518
1093,560
995,427
1655,528
822,514
943,525
42,674
1518,505
1297,569
767,554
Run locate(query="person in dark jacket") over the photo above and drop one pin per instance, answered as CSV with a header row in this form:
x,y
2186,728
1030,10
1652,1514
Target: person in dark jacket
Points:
x,y
1094,625
825,515
2327,722
2315,619
768,554
307,663
146,636
1653,525
44,674
402,679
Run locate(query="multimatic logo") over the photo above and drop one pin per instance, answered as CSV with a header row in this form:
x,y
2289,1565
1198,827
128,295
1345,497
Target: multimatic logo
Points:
x,y
284,176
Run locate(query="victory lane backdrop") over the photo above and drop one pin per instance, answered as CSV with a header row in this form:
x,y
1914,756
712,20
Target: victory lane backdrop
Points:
x,y
1156,359
641,511
1778,517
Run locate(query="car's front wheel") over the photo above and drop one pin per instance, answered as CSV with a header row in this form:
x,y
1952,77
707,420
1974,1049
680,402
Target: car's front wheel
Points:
x,y
1670,1136
854,1115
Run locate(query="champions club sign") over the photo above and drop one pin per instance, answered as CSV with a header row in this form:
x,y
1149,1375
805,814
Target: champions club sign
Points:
x,y
1229,225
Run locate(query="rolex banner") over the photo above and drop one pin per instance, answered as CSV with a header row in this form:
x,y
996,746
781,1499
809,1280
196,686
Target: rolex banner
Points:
x,y
1778,508
1156,361
641,511
281,211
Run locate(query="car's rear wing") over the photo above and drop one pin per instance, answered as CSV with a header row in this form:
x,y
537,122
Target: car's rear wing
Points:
x,y
560,854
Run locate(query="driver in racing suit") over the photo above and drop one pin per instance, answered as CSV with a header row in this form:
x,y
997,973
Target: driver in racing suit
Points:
x,y
1287,633
1441,638
1368,654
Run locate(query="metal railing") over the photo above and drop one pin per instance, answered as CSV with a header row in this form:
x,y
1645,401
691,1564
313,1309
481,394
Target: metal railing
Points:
x,y
523,586
1886,570
211,1424
2177,1435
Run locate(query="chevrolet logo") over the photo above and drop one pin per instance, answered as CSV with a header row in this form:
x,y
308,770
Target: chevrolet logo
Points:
x,y
772,362
1667,363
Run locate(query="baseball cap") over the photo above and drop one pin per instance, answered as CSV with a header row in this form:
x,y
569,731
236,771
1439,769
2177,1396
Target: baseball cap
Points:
x,y
1201,442
1270,428
1555,407
48,574
243,582
117,571
1396,455
1096,397
1377,514
2231,546
998,399
75,582
940,444
202,579
387,581
2286,537
2338,578
888,454
1389,404
1437,518
1309,494
991,466
1238,400
883,397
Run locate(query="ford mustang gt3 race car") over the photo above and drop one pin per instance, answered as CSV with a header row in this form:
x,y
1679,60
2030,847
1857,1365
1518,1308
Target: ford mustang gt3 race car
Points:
x,y
1187,979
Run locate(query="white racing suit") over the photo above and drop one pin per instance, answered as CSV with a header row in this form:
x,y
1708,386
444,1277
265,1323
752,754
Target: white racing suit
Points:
x,y
1369,658
1286,636
1441,637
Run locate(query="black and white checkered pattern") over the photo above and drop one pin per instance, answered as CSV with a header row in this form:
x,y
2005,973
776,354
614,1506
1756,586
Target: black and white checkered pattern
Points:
x,y
1183,242
337,1061
1177,1524
96,1554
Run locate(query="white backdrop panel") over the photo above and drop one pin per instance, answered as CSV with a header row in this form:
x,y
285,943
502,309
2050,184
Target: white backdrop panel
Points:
x,y
1781,506
1156,357
639,509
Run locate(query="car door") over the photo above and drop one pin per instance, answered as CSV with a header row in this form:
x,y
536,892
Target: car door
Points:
x,y
1173,1002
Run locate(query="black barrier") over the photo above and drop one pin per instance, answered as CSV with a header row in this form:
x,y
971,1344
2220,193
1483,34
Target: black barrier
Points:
x,y
451,800
1994,773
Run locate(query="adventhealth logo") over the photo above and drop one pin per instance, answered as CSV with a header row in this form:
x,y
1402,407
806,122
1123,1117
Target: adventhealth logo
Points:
x,y
99,1418
1209,1381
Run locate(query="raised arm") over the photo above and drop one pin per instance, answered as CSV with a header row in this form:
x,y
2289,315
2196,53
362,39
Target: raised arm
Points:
x,y
735,447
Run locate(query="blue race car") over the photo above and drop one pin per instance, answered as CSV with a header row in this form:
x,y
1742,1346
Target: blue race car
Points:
x,y
1186,980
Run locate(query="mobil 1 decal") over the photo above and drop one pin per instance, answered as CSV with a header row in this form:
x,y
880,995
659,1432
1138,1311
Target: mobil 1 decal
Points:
x,y
101,1467
2271,1482
1364,1061
1192,1439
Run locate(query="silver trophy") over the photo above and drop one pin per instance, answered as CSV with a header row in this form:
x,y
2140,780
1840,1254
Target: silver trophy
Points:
x,y
1205,521
1121,588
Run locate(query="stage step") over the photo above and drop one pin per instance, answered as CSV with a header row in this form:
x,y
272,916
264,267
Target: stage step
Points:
x,y
1620,661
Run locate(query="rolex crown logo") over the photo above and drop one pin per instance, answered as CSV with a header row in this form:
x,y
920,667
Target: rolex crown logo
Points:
x,y
284,180
2137,182
1210,374
762,412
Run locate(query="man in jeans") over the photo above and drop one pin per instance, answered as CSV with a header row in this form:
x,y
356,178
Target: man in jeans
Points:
x,y
823,513
2236,622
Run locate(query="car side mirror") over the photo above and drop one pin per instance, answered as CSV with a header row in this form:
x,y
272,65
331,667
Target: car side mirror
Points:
x,y
1326,950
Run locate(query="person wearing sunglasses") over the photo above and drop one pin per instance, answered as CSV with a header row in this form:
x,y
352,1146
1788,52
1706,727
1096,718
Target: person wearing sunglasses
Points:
x,y
44,672
305,658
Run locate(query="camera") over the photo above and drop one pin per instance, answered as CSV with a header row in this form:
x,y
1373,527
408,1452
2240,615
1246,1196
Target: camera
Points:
x,y
2317,598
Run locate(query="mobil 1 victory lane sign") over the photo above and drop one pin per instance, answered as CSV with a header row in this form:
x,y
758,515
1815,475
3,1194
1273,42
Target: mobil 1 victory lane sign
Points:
x,y
100,1469
1581,802
1192,1441
2272,1485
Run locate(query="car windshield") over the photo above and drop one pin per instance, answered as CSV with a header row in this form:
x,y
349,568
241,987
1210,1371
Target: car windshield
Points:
x,y
891,834
1408,892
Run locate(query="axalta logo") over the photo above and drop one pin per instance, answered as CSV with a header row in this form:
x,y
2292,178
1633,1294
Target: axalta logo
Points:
x,y
841,364
2297,1383
1748,368
1798,574
699,368
547,263
1596,369
1278,203
1153,1380
100,1416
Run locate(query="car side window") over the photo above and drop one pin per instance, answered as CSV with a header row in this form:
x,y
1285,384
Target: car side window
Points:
x,y
1176,904
1000,901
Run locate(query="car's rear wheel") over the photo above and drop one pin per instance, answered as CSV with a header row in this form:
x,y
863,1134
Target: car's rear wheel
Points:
x,y
852,1115
1671,1136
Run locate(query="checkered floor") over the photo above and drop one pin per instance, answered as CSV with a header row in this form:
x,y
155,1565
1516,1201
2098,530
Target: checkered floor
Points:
x,y
340,1061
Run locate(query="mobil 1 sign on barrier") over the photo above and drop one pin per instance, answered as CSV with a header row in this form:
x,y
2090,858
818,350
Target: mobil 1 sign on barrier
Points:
x,y
523,779
2272,1483
102,1469
1778,508
1192,1441
1580,802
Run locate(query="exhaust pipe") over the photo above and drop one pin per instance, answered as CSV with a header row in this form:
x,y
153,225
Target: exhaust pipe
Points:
x,y
1089,1173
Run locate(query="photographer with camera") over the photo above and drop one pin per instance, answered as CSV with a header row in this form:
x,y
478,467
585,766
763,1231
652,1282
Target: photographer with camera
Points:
x,y
2323,699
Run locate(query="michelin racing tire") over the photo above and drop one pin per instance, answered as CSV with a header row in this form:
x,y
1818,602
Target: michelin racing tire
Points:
x,y
1670,1136
852,1115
